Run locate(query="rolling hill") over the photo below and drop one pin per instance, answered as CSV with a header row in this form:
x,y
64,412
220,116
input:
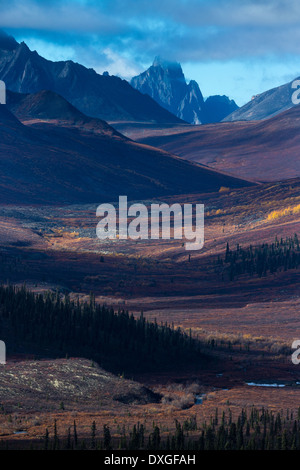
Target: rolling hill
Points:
x,y
261,150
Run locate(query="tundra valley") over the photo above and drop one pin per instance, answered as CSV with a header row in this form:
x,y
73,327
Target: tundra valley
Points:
x,y
143,344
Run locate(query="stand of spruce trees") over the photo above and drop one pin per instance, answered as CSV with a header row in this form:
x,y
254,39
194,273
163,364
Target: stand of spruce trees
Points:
x,y
261,260
51,326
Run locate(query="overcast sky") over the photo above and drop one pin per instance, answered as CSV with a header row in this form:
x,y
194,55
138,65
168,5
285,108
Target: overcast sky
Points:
x,y
233,47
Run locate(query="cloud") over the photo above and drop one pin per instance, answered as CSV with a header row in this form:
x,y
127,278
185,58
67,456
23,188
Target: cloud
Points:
x,y
217,28
123,36
66,15
118,65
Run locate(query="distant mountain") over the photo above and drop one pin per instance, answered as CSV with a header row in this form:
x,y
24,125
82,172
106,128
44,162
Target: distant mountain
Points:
x,y
165,82
50,163
102,96
265,105
265,150
218,107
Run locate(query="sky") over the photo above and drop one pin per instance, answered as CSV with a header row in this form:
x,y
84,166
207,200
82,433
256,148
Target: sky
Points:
x,y
234,47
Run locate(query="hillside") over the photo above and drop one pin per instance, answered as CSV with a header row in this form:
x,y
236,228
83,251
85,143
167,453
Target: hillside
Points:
x,y
53,164
47,106
67,381
262,151
265,105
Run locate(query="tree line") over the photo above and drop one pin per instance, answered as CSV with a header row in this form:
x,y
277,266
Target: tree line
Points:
x,y
253,429
50,325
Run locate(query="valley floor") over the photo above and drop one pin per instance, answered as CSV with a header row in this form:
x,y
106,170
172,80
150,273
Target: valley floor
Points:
x,y
247,324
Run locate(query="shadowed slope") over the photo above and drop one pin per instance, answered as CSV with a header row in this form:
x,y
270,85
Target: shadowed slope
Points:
x,y
56,164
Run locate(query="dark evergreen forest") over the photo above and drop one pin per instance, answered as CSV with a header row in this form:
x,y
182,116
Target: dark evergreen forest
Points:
x,y
49,325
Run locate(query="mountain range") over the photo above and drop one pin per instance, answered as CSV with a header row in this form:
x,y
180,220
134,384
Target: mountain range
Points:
x,y
165,82
102,96
52,151
159,95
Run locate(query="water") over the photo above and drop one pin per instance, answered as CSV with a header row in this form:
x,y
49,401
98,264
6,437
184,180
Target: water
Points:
x,y
274,385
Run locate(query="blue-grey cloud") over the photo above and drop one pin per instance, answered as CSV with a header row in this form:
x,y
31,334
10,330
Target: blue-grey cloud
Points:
x,y
125,35
221,28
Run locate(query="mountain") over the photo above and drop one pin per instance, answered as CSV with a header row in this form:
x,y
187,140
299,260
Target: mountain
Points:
x,y
50,163
265,105
44,104
102,96
165,82
265,150
217,107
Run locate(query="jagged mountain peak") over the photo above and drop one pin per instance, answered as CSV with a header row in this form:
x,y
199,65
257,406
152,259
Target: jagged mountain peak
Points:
x,y
193,85
165,82
172,69
23,50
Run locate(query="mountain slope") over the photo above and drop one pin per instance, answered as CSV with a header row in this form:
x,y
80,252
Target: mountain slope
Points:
x,y
48,163
260,150
48,106
101,96
165,82
265,105
44,104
